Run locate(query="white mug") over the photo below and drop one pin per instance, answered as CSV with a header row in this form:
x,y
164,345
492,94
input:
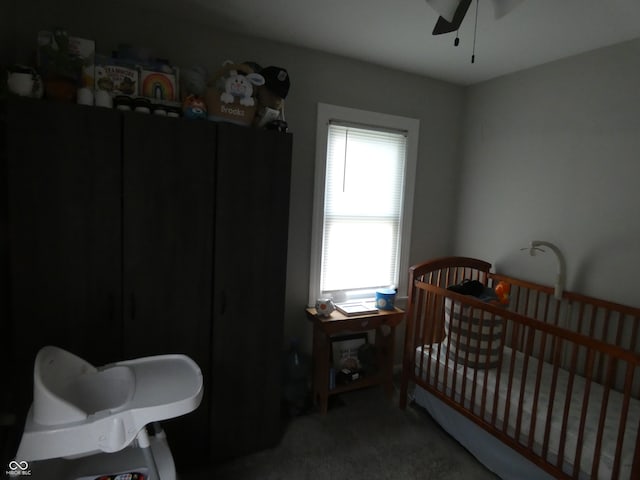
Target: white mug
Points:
x,y
103,99
20,83
85,96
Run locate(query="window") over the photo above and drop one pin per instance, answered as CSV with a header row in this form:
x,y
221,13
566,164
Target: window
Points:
x,y
365,166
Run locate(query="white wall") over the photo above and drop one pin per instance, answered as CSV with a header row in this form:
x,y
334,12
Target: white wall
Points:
x,y
553,153
184,36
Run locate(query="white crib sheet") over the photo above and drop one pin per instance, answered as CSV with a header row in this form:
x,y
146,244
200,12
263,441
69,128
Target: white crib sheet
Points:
x,y
447,371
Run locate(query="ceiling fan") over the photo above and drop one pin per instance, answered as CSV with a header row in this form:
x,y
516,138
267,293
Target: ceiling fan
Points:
x,y
452,12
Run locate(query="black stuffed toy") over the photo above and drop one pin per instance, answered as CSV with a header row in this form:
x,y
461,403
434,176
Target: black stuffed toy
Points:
x,y
468,287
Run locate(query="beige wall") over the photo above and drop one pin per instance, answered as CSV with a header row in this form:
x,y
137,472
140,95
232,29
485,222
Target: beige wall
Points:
x,y
188,39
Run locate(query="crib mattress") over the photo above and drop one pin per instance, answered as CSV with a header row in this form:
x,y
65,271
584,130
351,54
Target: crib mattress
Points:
x,y
451,379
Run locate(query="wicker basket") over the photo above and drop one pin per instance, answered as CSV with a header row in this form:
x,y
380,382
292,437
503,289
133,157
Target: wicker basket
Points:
x,y
475,339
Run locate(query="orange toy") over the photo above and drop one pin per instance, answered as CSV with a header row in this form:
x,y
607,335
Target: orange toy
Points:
x,y
502,291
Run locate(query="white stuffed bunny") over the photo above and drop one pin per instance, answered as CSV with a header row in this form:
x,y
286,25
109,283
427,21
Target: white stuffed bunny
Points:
x,y
239,85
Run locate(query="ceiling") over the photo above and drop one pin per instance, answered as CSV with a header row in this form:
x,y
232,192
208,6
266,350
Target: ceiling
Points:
x,y
397,33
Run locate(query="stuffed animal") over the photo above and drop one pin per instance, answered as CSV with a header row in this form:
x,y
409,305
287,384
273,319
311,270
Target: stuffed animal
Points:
x,y
239,85
502,291
324,307
194,107
271,97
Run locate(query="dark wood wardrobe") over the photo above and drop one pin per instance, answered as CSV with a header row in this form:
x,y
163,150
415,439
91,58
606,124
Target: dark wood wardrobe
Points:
x,y
128,235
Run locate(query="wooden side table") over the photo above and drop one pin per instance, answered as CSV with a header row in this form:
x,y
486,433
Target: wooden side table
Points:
x,y
384,323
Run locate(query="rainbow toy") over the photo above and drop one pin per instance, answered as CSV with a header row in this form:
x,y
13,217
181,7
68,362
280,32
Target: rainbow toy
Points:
x,y
158,85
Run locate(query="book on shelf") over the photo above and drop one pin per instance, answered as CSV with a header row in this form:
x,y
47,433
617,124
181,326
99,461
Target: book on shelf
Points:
x,y
352,309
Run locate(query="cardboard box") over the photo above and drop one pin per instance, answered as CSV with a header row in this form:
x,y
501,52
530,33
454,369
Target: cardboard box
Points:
x,y
116,78
346,376
228,103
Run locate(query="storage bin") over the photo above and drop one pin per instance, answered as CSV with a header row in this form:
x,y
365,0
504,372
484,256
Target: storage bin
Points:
x,y
473,335
231,96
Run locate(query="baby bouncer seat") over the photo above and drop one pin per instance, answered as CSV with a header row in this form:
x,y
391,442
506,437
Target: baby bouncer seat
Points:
x,y
89,423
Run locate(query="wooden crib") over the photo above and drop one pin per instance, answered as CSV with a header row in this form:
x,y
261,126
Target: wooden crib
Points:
x,y
557,381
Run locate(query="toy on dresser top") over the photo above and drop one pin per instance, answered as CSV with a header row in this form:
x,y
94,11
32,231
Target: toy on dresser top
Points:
x,y
240,93
136,73
271,98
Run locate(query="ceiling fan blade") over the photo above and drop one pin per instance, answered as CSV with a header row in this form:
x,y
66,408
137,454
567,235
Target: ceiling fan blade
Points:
x,y
445,8
444,26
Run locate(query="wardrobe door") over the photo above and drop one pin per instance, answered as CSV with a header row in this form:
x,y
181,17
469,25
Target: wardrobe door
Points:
x,y
252,211
64,223
168,246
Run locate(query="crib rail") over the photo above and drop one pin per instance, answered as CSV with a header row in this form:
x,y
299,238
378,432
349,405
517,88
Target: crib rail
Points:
x,y
610,323
564,390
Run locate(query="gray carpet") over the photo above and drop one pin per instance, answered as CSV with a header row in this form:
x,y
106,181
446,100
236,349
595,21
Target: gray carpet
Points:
x,y
366,437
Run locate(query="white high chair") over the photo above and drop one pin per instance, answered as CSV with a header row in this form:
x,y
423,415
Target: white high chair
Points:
x,y
93,415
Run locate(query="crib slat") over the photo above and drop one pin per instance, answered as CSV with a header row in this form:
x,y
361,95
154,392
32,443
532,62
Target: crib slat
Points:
x,y
465,360
454,357
583,414
580,318
523,384
619,331
556,320
603,334
505,425
415,332
536,396
483,395
623,420
494,411
603,416
592,322
428,334
536,303
545,319
420,331
567,405
474,384
557,349
634,335
527,298
490,348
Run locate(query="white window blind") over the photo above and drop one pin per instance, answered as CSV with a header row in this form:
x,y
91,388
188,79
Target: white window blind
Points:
x,y
363,202
364,186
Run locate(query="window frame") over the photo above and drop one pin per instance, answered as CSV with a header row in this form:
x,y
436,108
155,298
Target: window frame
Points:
x,y
363,119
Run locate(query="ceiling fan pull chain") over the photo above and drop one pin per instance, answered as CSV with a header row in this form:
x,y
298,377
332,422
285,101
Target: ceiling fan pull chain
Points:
x,y
456,42
475,29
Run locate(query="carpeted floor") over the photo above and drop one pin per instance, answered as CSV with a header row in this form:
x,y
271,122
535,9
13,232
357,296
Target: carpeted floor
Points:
x,y
363,436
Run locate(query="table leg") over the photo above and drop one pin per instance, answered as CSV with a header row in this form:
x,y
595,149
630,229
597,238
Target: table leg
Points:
x,y
385,340
321,363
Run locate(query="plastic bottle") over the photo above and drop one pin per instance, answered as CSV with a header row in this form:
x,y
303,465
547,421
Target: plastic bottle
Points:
x,y
296,379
